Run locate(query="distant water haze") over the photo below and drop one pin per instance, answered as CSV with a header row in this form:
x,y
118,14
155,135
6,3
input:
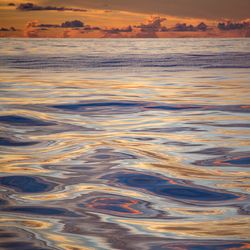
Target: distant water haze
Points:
x,y
124,144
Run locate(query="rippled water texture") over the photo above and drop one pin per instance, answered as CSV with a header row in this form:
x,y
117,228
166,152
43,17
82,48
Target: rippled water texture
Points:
x,y
125,144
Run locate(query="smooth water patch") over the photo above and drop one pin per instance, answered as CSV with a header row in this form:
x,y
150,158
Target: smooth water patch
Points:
x,y
231,159
169,187
26,184
13,143
16,120
34,210
121,206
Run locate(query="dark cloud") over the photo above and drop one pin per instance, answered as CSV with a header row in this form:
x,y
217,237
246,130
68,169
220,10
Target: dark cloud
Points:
x,y
67,24
183,27
152,25
72,24
233,26
75,24
188,27
34,7
202,27
118,30
208,9
6,29
44,26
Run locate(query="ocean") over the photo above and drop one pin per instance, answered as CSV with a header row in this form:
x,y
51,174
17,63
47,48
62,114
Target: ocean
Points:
x,y
124,144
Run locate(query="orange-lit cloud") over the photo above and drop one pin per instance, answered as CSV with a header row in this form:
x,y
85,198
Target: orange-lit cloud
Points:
x,y
153,24
31,29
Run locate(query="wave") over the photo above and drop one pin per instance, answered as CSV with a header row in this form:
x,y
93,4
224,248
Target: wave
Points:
x,y
142,146
132,61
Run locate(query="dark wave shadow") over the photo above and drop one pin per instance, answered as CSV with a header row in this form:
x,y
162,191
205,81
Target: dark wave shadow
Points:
x,y
39,210
21,245
121,206
170,188
212,151
26,184
12,143
105,107
239,159
16,120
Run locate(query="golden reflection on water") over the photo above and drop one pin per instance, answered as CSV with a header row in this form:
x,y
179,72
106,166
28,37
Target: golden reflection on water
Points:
x,y
77,190
41,228
203,229
107,158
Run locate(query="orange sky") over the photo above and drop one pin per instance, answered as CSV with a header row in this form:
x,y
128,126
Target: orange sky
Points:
x,y
121,13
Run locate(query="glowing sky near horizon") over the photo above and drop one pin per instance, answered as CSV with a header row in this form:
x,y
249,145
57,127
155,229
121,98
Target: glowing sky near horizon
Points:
x,y
119,12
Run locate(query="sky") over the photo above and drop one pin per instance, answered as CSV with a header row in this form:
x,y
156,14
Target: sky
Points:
x,y
109,14
211,9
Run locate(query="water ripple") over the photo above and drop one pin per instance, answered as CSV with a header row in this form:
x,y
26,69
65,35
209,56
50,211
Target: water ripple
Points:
x,y
142,146
171,188
26,184
22,121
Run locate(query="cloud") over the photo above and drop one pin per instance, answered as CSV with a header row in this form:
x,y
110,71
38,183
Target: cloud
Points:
x,y
152,25
34,7
83,32
72,24
188,27
35,29
31,29
66,24
233,26
183,27
44,26
202,27
207,9
91,28
6,29
32,24
118,30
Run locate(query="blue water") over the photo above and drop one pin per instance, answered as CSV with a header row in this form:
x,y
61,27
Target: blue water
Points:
x,y
124,144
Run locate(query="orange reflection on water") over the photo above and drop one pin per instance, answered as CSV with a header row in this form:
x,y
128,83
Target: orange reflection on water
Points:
x,y
204,229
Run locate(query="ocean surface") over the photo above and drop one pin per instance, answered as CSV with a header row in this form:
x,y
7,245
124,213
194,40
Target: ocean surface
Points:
x,y
130,144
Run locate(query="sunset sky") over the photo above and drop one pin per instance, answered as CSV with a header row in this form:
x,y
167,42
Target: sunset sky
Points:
x,y
121,13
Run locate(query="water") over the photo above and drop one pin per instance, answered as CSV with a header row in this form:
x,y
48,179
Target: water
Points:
x,y
125,144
